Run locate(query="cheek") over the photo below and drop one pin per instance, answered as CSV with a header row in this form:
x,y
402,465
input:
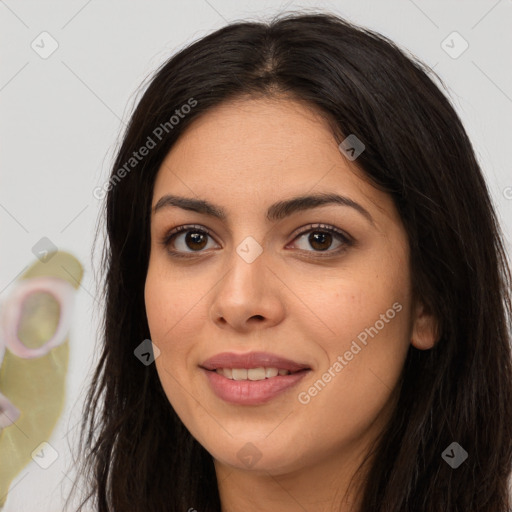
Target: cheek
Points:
x,y
372,293
176,320
363,363
366,324
166,310
169,300
157,307
163,311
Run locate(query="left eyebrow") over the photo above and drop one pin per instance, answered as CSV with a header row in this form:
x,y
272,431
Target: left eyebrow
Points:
x,y
275,212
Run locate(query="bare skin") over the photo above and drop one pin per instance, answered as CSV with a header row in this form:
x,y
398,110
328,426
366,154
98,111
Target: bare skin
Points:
x,y
298,299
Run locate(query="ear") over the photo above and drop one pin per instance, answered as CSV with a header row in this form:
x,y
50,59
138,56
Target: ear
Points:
x,y
424,328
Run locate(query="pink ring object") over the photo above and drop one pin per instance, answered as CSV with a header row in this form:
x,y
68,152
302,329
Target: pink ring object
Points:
x,y
62,291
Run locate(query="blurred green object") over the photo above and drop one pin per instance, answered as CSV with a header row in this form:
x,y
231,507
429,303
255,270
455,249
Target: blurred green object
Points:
x,y
39,319
37,386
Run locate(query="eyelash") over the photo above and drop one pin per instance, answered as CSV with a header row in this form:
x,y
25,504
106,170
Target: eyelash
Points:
x,y
346,240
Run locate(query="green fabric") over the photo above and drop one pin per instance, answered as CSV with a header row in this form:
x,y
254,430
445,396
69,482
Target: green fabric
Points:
x,y
37,387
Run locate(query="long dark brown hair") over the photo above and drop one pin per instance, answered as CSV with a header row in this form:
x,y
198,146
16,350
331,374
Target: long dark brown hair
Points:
x,y
137,455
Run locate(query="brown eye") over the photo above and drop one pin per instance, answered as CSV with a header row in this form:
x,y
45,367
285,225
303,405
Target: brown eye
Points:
x,y
196,240
321,238
186,239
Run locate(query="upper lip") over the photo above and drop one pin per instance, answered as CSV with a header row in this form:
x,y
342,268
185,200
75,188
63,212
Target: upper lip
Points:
x,y
252,360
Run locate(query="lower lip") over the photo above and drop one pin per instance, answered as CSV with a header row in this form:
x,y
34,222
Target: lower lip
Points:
x,y
251,392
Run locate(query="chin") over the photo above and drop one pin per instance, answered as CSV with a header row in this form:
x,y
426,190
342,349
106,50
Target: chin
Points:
x,y
257,455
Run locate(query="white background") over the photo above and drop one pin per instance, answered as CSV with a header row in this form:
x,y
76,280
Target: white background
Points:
x,y
60,120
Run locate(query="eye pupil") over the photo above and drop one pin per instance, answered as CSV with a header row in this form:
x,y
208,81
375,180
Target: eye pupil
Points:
x,y
319,237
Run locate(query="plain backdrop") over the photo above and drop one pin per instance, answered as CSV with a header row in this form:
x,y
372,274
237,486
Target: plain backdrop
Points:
x,y
61,116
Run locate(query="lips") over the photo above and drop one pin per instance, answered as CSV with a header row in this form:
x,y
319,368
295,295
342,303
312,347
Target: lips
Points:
x,y
252,360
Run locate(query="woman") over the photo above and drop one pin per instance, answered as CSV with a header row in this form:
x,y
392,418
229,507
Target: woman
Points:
x,y
297,221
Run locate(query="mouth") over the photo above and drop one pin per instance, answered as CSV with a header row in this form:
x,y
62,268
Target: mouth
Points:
x,y
253,378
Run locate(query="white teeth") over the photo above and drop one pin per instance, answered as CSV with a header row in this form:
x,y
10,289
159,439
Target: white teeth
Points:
x,y
256,373
239,374
260,373
271,372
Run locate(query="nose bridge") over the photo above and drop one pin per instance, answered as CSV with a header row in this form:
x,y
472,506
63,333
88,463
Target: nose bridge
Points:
x,y
247,276
248,288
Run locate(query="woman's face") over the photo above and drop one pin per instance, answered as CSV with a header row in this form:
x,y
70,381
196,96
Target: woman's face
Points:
x,y
268,279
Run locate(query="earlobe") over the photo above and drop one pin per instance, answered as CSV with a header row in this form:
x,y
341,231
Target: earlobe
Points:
x,y
425,328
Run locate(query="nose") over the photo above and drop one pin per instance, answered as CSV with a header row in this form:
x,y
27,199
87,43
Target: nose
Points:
x,y
249,296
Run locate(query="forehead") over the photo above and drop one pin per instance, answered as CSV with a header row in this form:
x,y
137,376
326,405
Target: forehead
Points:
x,y
255,133
253,152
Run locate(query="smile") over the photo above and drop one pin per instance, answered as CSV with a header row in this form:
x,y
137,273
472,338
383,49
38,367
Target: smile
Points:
x,y
251,386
